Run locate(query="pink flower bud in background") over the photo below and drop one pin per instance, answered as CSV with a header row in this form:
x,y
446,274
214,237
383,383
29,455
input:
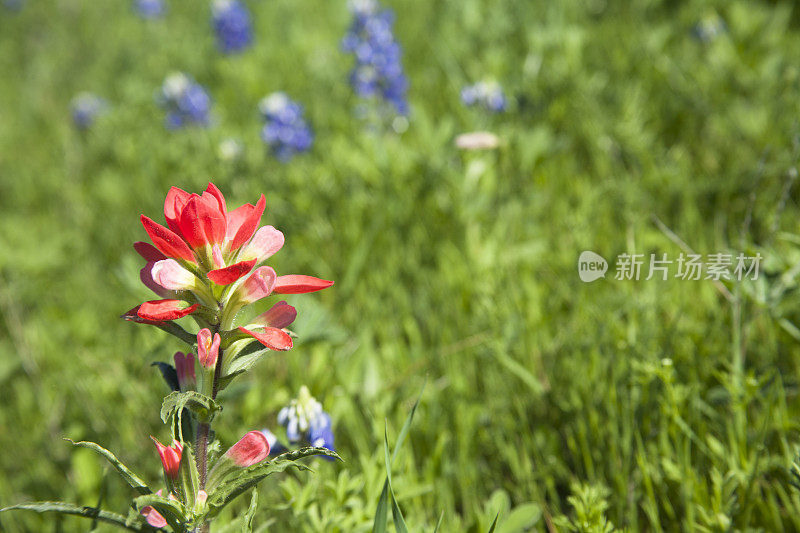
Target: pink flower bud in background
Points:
x,y
264,244
207,348
258,285
170,457
280,315
477,140
171,275
184,367
251,449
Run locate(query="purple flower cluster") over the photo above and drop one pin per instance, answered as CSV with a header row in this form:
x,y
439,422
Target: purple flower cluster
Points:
x,y
85,109
231,22
185,101
150,9
486,94
378,71
285,130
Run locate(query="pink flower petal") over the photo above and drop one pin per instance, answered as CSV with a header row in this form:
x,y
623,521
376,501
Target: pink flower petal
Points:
x,y
259,284
153,517
251,449
264,244
280,315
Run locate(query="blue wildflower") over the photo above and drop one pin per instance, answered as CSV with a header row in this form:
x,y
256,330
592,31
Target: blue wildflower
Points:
x,y
709,27
86,107
231,22
185,101
285,130
150,9
305,421
486,94
378,72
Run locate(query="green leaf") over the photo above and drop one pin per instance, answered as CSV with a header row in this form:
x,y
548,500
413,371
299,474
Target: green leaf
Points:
x,y
132,479
237,483
247,522
494,524
188,476
404,431
380,523
172,510
174,404
86,512
521,518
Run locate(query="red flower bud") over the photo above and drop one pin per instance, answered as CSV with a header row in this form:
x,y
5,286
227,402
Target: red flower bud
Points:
x,y
251,449
207,348
170,457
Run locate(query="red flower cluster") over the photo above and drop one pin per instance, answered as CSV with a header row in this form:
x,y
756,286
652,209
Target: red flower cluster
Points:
x,y
206,250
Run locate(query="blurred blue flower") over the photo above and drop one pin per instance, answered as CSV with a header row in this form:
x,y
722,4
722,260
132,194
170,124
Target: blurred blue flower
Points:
x,y
13,5
150,9
486,94
709,27
231,22
378,71
185,101
86,107
305,421
285,130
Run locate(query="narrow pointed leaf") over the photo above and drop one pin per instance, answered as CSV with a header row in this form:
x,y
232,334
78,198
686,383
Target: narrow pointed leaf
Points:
x,y
76,510
239,482
247,522
379,525
494,524
132,479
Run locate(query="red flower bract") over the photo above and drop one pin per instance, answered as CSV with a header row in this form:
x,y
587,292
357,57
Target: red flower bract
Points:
x,y
272,338
229,274
161,310
298,284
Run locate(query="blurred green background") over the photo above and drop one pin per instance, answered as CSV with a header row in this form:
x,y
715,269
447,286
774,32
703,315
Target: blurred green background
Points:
x,y
648,405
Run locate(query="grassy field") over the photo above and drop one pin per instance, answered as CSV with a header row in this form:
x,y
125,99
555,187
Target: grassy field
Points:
x,y
562,405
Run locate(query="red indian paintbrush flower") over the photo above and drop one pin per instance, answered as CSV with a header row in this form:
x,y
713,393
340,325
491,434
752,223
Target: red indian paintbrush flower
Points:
x,y
209,260
170,457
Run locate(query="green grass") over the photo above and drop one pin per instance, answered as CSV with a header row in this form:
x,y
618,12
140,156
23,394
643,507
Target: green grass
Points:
x,y
650,405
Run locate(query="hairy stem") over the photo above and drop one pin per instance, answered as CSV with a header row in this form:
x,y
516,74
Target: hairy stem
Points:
x,y
203,432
